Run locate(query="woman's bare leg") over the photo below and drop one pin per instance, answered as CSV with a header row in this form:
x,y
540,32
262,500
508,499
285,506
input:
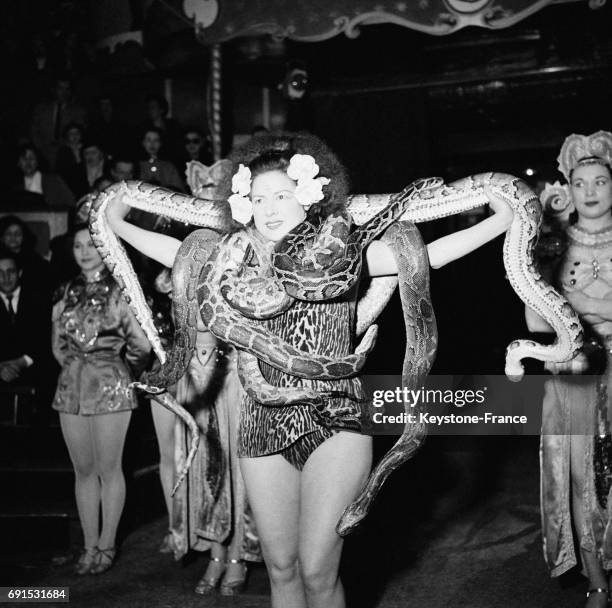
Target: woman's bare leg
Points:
x,y
273,489
164,422
331,479
233,396
109,431
77,434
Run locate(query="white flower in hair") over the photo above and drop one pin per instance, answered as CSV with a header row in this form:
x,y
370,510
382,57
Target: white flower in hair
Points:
x,y
302,166
241,181
240,204
242,208
309,191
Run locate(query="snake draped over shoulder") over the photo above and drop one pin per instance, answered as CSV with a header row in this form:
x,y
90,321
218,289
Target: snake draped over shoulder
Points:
x,y
235,285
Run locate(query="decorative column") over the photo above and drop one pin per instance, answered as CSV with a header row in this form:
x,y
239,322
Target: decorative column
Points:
x,y
214,110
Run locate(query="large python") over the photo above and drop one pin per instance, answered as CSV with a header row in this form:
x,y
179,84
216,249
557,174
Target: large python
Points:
x,y
431,203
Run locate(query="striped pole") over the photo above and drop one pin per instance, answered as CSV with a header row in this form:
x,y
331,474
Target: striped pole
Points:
x,y
215,100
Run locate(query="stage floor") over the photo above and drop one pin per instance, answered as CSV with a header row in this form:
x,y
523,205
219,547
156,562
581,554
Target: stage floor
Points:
x,y
458,526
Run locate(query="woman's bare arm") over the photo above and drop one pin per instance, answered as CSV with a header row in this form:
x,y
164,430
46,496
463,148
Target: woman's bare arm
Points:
x,y
381,261
159,247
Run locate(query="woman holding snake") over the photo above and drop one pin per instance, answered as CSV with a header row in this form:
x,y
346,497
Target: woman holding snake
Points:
x,y
302,464
576,446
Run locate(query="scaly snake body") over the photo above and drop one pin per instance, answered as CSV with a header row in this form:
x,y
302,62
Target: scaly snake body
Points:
x,y
221,271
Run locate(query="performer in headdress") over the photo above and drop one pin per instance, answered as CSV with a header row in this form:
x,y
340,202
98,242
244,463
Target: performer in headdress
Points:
x,y
576,448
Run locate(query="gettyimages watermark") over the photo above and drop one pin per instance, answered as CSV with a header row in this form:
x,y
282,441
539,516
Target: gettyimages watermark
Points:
x,y
476,405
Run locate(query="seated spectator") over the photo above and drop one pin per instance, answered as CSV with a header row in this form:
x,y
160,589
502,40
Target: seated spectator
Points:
x,y
50,117
25,327
94,160
122,168
50,186
196,146
157,112
154,170
69,163
17,238
106,128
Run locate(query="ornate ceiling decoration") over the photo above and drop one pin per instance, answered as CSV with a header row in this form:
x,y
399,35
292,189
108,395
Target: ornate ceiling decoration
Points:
x,y
220,20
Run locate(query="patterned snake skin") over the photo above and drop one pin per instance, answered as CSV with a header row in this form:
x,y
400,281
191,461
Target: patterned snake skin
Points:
x,y
431,203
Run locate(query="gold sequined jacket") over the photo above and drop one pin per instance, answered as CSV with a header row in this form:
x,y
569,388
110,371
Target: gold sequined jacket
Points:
x,y
100,346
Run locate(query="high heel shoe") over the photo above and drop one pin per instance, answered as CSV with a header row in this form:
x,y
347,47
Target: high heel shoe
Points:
x,y
105,560
86,561
207,584
235,586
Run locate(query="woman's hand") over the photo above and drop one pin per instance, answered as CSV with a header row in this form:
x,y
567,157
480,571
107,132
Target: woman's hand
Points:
x,y
499,206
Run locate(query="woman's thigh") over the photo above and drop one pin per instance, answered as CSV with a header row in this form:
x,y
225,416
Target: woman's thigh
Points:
x,y
77,433
273,490
164,422
109,431
331,479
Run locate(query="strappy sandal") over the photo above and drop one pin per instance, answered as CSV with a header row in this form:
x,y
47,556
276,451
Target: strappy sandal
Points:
x,y
207,585
86,561
235,586
105,561
599,590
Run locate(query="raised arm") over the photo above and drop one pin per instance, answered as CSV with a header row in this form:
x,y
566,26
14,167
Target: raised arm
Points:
x,y
381,262
159,247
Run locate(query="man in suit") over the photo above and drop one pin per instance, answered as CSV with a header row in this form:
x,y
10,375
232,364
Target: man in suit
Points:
x,y
25,327
51,117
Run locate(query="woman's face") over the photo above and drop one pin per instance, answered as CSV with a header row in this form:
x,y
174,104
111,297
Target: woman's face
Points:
x,y
85,253
12,239
276,211
74,136
592,191
93,156
28,163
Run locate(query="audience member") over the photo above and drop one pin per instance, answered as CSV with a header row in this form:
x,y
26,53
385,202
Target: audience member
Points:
x,y
69,164
155,170
25,327
157,112
17,238
94,160
50,186
122,168
50,117
196,146
112,133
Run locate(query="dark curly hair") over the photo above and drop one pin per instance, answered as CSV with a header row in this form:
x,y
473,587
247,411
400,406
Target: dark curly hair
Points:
x,y
29,240
267,152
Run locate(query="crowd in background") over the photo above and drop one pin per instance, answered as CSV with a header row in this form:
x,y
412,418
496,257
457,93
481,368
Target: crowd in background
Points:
x,y
68,154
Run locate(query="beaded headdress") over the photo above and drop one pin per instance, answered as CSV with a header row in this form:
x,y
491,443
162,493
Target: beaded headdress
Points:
x,y
210,183
580,150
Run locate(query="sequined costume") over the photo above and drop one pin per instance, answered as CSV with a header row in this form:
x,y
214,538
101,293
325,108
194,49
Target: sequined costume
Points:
x,y
580,405
296,431
100,346
212,505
